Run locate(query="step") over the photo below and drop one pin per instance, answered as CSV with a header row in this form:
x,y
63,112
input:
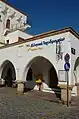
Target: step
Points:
x,y
43,95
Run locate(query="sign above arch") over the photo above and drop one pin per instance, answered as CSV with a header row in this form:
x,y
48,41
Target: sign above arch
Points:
x,y
47,42
37,45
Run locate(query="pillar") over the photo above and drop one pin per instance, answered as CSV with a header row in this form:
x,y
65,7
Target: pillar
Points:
x,y
64,93
19,81
20,87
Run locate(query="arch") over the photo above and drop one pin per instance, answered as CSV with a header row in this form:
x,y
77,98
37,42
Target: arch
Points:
x,y
76,71
7,72
76,63
26,68
35,66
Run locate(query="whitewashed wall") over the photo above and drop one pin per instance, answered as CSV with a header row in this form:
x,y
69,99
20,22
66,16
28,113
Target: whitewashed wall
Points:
x,y
75,45
21,56
24,35
13,36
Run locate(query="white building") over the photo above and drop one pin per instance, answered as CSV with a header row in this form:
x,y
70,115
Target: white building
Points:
x,y
24,56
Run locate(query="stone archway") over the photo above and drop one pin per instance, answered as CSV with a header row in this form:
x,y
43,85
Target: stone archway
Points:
x,y
76,77
43,67
7,72
76,70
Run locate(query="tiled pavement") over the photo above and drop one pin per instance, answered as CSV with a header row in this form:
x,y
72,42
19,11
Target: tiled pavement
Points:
x,y
13,106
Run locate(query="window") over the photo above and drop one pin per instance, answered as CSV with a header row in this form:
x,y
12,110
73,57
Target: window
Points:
x,y
0,19
7,41
73,51
8,24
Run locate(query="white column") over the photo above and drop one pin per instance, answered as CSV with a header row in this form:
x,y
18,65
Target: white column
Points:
x,y
19,80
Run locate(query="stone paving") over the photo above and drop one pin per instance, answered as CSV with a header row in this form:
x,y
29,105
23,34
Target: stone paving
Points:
x,y
13,106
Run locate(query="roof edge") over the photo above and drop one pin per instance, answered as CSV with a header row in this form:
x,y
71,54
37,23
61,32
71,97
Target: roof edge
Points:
x,y
43,35
15,8
54,32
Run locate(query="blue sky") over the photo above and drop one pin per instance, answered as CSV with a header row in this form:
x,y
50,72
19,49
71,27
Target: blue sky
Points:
x,y
46,15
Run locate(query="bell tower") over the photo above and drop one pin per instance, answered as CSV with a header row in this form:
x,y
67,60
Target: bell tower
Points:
x,y
11,20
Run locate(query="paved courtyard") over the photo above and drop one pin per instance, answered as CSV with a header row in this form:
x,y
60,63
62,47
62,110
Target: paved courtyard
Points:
x,y
13,106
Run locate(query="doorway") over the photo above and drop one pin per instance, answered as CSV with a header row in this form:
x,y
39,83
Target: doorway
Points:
x,y
8,73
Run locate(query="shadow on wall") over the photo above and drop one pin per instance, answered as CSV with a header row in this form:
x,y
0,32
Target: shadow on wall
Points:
x,y
30,81
53,82
29,85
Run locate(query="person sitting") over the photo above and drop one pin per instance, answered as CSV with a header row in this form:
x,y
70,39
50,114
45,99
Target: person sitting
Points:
x,y
39,83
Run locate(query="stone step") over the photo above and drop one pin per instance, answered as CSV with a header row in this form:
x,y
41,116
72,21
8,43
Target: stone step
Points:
x,y
43,95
